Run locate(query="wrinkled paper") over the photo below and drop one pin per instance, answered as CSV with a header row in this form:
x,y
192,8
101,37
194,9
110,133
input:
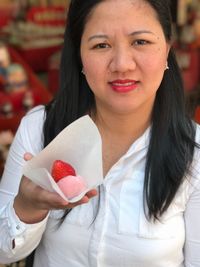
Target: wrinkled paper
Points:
x,y
79,144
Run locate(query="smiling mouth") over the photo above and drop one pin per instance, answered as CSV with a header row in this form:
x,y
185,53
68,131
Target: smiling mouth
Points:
x,y
123,86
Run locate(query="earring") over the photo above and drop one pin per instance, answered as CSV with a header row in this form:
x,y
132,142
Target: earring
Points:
x,y
83,72
167,67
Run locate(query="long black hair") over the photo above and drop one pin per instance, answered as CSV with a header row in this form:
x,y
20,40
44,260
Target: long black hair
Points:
x,y
172,143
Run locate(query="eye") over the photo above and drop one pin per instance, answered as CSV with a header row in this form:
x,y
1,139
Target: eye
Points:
x,y
101,46
140,42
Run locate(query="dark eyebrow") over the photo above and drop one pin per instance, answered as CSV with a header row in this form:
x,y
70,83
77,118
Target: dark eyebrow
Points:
x,y
104,36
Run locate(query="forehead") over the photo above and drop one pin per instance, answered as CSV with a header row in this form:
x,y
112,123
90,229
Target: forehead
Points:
x,y
113,17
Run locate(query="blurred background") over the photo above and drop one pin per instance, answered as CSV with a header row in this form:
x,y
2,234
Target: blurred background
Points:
x,y
31,38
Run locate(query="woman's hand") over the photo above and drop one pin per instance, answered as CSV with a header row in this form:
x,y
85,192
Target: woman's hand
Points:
x,y
33,203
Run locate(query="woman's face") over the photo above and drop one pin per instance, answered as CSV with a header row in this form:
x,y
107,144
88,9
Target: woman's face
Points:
x,y
124,55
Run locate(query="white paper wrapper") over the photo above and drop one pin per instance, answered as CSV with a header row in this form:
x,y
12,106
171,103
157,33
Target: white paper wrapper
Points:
x,y
79,144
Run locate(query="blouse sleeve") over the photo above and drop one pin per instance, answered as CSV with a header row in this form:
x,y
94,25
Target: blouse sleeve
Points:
x,y
192,212
26,237
192,224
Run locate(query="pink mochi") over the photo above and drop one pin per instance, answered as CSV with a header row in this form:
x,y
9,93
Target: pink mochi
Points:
x,y
72,186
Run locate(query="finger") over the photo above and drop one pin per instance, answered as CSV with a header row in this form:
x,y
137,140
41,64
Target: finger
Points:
x,y
52,200
91,193
83,200
28,156
86,198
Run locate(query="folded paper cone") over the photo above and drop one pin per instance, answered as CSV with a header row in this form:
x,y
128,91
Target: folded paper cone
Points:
x,y
80,145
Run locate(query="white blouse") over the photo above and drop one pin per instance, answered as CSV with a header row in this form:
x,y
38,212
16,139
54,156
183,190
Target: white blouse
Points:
x,y
110,231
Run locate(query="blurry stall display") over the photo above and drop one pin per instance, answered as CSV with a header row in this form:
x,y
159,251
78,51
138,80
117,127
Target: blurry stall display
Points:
x,y
18,88
182,12
59,2
6,138
189,62
188,21
44,2
4,57
195,17
52,15
20,91
187,49
18,8
39,36
197,113
8,11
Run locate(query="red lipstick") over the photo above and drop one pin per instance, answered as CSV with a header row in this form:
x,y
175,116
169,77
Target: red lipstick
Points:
x,y
123,86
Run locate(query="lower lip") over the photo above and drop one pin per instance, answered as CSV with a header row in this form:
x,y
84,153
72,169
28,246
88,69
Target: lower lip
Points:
x,y
124,89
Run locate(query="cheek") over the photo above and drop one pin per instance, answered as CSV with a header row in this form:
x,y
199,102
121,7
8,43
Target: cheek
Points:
x,y
156,55
153,69
94,70
153,65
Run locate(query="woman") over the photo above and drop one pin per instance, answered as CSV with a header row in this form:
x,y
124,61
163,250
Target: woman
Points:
x,y
118,67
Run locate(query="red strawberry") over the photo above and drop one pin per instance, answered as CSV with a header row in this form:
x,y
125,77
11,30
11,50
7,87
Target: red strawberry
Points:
x,y
61,169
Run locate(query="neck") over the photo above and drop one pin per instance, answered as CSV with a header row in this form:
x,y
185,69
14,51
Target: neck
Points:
x,y
123,126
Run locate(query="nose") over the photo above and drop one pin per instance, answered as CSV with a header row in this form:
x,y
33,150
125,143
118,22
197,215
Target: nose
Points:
x,y
122,60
